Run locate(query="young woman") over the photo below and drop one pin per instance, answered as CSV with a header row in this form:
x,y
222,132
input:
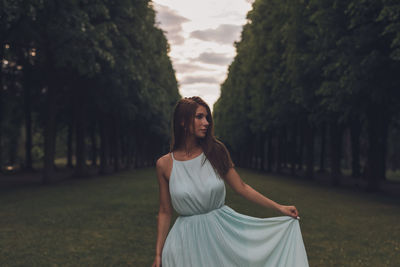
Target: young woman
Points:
x,y
208,233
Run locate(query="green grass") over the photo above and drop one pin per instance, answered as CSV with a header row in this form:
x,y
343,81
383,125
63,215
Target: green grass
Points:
x,y
111,221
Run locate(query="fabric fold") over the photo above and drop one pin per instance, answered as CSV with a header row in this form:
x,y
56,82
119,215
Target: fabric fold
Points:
x,y
210,233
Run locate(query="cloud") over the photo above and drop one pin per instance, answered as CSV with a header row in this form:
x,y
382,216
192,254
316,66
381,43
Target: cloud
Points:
x,y
214,58
188,67
223,34
171,22
209,92
198,79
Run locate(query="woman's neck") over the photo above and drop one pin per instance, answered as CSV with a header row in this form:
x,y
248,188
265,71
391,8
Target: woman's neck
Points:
x,y
190,147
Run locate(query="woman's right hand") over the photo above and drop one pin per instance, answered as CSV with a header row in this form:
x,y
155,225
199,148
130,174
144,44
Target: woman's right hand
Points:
x,y
157,262
290,211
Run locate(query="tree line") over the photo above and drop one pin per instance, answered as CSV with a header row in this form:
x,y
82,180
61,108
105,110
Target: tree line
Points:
x,y
84,80
315,85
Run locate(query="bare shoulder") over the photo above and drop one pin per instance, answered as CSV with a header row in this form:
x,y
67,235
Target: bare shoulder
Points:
x,y
163,164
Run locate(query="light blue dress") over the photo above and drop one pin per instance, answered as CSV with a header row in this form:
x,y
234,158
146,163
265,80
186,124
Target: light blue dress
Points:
x,y
210,234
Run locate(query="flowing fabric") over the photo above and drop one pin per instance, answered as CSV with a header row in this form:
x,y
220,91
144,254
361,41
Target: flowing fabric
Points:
x,y
208,233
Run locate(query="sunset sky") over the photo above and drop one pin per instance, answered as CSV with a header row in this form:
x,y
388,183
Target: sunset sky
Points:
x,y
201,36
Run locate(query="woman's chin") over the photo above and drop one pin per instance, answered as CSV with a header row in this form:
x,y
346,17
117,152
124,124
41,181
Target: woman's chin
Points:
x,y
201,136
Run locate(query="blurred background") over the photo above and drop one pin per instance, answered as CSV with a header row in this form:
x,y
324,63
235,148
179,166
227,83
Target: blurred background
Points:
x,y
313,87
84,84
305,94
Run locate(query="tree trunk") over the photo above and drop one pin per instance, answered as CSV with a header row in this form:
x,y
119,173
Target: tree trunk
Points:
x,y
323,144
374,142
28,116
136,153
116,143
284,148
124,152
1,106
378,124
279,152
50,134
355,132
255,151
93,143
71,129
293,145
262,152
270,153
309,145
249,152
129,154
384,129
336,145
301,148
103,144
80,120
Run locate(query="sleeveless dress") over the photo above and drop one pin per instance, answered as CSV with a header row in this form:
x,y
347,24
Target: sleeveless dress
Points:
x,y
210,234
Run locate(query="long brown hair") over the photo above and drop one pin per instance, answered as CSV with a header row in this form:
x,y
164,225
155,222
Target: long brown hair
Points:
x,y
214,150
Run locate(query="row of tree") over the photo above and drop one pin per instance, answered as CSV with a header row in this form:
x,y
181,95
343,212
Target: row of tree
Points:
x,y
82,76
307,73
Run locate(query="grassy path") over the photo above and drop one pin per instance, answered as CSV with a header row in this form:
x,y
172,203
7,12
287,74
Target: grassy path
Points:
x,y
111,221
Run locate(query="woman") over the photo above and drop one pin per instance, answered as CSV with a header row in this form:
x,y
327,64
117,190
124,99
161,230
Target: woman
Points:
x,y
208,233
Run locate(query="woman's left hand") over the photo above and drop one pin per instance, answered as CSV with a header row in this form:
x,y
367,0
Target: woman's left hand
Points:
x,y
290,211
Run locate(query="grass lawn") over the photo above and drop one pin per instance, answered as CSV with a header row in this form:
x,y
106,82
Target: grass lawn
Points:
x,y
111,221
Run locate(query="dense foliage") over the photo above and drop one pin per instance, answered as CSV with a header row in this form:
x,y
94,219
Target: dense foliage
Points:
x,y
83,78
316,78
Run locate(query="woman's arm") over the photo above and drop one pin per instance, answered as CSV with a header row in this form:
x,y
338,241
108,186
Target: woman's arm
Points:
x,y
243,189
165,211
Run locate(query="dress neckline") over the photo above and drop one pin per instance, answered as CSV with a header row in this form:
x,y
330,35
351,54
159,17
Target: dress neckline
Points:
x,y
172,154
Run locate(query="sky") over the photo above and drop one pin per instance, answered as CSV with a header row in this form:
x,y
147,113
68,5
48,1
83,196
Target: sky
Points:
x,y
201,35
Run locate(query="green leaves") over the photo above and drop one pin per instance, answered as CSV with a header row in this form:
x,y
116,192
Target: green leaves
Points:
x,y
315,61
107,57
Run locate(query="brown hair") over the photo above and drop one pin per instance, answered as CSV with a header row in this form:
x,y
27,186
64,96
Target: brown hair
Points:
x,y
214,150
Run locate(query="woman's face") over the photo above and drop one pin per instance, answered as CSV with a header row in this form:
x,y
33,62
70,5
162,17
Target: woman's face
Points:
x,y
200,122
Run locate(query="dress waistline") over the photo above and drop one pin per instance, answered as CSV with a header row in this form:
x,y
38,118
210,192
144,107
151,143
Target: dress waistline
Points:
x,y
204,213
